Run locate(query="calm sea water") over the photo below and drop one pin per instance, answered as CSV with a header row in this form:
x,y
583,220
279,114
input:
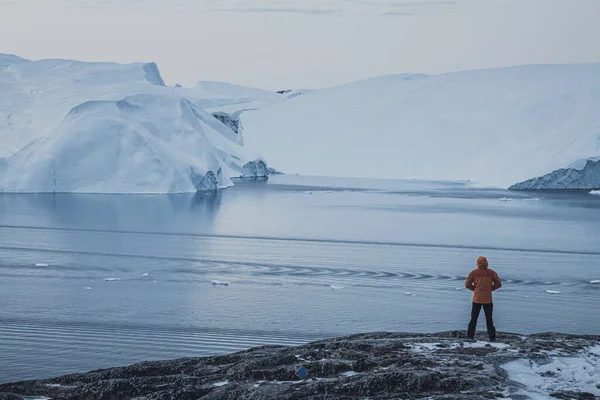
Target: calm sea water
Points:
x,y
93,281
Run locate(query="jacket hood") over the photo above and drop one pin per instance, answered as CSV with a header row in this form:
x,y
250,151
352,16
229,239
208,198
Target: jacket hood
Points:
x,y
482,263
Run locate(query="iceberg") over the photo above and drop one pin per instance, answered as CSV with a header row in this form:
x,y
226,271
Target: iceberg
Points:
x,y
108,128
492,127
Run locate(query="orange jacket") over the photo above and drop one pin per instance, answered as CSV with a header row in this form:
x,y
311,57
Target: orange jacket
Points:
x,y
483,281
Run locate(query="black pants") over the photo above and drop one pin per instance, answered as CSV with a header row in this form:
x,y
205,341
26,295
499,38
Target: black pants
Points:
x,y
488,309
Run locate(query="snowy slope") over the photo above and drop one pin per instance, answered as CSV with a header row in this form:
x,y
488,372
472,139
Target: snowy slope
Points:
x,y
494,127
68,126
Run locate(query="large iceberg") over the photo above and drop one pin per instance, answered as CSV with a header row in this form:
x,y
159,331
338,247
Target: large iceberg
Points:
x,y
68,126
493,127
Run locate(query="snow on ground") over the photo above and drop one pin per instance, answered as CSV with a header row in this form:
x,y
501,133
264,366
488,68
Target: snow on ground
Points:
x,y
68,126
541,379
493,127
470,345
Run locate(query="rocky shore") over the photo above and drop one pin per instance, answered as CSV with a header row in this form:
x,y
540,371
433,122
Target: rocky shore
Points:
x,y
366,366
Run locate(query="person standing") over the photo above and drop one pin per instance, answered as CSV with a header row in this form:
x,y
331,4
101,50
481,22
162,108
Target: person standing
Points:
x,y
482,281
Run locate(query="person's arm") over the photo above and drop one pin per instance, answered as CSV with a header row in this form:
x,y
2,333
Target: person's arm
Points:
x,y
497,284
470,282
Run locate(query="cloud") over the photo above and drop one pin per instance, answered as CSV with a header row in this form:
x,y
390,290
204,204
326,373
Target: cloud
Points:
x,y
290,10
304,7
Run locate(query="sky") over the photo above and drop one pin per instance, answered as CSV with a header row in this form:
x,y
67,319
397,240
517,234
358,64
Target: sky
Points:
x,y
303,44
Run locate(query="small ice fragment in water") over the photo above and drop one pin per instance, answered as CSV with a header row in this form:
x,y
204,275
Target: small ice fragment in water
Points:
x,y
505,199
553,291
595,281
154,281
334,287
309,192
41,265
112,279
219,283
87,288
409,294
146,274
595,192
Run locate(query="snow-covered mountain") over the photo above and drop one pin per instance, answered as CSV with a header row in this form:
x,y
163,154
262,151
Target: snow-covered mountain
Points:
x,y
69,126
494,127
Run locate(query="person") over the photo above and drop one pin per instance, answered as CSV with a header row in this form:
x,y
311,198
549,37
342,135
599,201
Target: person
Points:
x,y
482,281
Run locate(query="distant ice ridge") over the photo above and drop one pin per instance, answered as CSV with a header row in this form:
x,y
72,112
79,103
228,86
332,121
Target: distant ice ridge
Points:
x,y
586,177
68,126
493,127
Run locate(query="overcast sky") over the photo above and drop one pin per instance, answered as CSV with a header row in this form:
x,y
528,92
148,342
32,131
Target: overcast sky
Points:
x,y
277,44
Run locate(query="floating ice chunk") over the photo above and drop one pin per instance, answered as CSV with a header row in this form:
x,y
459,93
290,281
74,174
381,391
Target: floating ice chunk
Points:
x,y
595,192
154,281
308,192
112,279
146,274
553,291
222,383
334,287
41,265
505,199
595,281
87,288
409,294
219,283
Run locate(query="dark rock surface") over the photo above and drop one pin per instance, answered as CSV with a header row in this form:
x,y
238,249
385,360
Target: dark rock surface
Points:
x,y
367,366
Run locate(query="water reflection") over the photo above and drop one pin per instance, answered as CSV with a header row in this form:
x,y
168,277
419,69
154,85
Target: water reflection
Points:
x,y
113,212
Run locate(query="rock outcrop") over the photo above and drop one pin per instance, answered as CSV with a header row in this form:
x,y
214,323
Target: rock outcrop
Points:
x,y
375,366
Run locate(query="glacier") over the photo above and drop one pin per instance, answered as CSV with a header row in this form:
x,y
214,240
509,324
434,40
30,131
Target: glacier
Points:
x,y
69,126
493,127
